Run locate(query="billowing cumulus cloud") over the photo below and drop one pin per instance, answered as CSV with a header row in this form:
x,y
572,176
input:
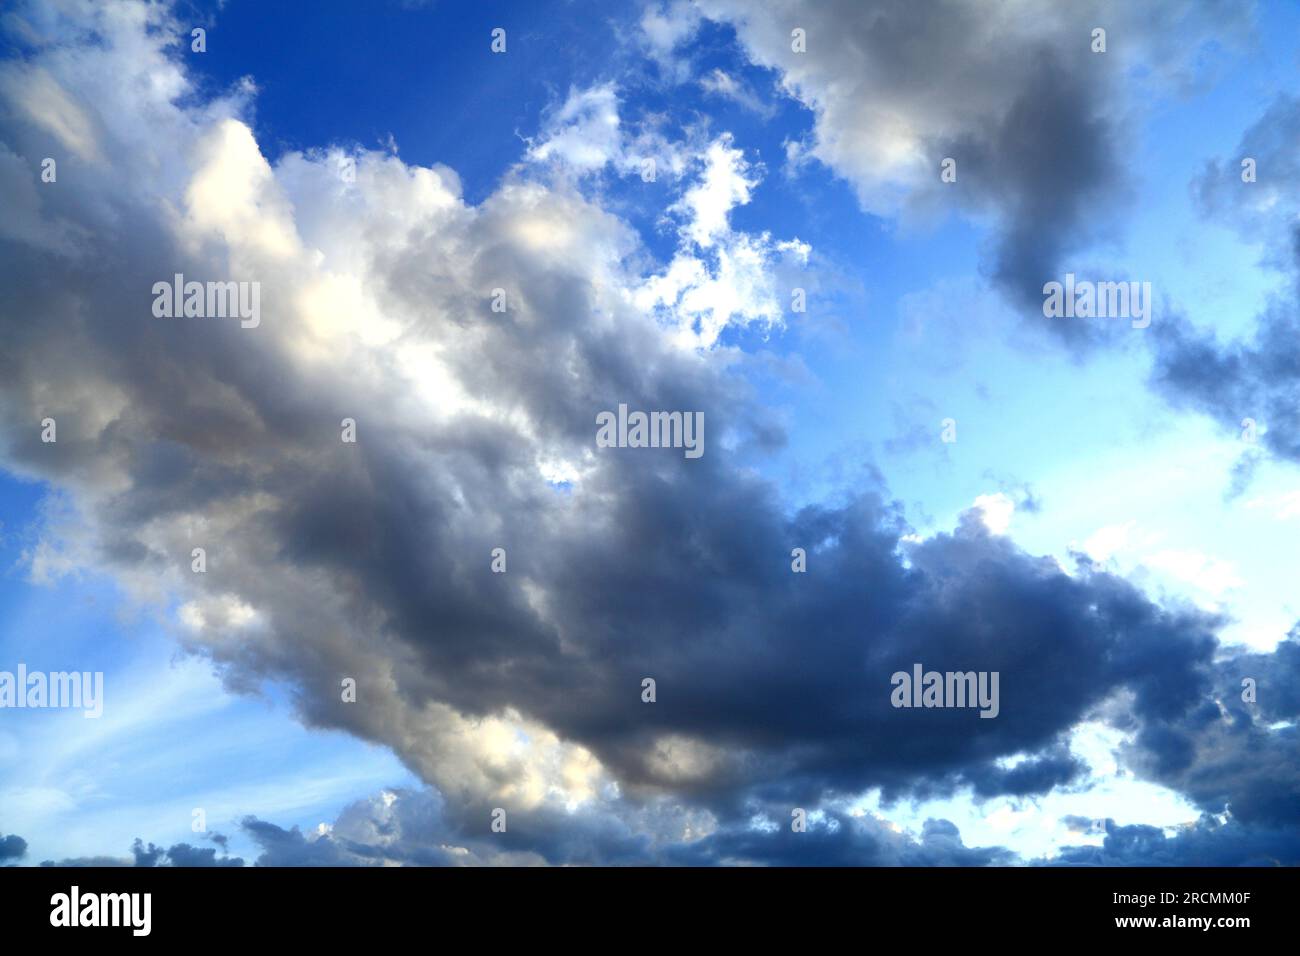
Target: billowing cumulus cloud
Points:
x,y
370,561
1036,121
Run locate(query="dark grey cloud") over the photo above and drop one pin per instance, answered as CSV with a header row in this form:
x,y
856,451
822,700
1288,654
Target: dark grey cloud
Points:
x,y
1255,376
89,861
182,854
12,847
1047,164
1231,754
837,839
1051,769
1206,843
282,847
150,855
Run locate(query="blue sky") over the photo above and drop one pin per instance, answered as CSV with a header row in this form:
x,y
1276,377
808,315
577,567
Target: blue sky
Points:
x,y
171,739
1095,464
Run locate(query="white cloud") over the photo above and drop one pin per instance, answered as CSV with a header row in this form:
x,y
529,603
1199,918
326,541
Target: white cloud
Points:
x,y
664,27
1212,576
725,184
584,133
1105,543
720,276
996,511
718,82
1284,506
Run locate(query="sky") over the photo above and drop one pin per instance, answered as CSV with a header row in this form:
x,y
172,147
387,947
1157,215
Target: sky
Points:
x,y
431,595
